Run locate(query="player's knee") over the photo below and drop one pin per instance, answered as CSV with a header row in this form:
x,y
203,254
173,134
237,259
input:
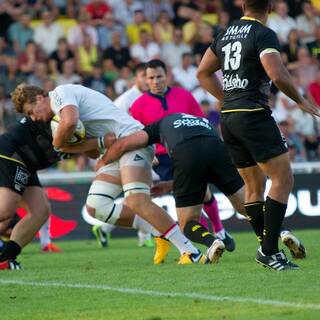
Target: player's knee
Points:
x,y
137,195
101,204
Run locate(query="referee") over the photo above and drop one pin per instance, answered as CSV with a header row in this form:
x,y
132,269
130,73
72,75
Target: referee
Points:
x,y
248,54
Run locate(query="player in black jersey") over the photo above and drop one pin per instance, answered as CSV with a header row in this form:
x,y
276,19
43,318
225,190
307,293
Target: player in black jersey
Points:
x,y
24,149
199,157
248,55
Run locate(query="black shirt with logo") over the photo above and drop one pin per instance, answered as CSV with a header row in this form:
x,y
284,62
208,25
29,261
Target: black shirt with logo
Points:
x,y
245,82
30,142
177,128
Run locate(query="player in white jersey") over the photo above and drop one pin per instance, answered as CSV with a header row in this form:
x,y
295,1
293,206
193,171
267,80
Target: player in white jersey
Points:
x,y
131,174
124,101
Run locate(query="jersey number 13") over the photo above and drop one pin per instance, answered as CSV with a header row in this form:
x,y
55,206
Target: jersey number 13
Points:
x,y
232,57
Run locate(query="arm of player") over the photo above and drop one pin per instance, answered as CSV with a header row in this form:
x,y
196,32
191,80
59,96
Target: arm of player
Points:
x,y
134,141
281,78
69,116
161,188
208,80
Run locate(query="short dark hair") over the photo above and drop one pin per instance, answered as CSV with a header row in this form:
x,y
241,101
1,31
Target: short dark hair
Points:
x,y
138,67
154,64
257,5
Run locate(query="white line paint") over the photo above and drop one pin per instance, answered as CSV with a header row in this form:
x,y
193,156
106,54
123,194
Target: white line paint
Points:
x,y
199,296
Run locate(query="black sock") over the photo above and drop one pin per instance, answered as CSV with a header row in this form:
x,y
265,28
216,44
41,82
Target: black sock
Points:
x,y
273,219
10,251
255,214
196,232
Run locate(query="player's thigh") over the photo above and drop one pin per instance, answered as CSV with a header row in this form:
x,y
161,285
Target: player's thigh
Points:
x,y
9,203
135,168
186,214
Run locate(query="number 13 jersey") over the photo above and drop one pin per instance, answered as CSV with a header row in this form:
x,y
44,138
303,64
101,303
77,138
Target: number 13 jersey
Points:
x,y
246,85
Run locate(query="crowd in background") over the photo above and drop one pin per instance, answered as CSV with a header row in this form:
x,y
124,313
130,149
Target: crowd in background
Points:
x,y
97,42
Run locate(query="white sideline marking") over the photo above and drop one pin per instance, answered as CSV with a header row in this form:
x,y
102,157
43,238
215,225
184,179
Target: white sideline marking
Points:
x,y
199,296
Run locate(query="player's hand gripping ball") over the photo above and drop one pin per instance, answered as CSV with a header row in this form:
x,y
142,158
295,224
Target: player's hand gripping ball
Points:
x,y
78,135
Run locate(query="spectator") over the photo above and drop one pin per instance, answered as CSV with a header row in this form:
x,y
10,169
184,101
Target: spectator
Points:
x,y
76,34
223,22
29,58
193,28
200,47
48,33
110,73
296,149
5,18
291,48
185,75
20,32
7,114
106,30
183,10
40,75
124,82
68,74
134,29
307,23
213,115
96,10
11,76
123,10
163,29
153,8
280,22
87,55
172,51
314,47
96,81
314,90
145,50
119,54
5,50
59,56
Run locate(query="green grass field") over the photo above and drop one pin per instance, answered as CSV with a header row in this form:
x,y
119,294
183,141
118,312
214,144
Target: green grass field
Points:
x,y
87,282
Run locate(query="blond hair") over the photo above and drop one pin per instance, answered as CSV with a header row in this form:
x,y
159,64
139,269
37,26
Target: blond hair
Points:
x,y
25,94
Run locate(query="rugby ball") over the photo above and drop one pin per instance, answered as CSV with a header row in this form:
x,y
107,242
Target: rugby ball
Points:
x,y
79,134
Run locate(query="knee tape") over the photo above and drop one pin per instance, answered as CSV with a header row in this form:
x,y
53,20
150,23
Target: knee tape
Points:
x,y
101,197
135,187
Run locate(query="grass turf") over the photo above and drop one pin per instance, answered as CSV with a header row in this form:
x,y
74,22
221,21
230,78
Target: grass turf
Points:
x,y
87,282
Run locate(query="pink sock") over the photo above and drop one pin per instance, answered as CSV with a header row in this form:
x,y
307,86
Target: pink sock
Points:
x,y
212,211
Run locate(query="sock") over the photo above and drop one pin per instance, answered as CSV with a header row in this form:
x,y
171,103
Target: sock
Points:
x,y
221,234
44,234
107,227
10,251
273,219
211,209
144,226
196,232
255,215
178,239
204,220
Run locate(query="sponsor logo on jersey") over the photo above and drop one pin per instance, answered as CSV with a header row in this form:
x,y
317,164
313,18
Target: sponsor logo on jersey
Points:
x,y
21,178
237,32
190,121
57,99
137,158
231,82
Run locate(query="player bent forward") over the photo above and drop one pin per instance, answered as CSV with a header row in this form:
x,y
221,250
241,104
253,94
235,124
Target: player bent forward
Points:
x,y
131,174
199,157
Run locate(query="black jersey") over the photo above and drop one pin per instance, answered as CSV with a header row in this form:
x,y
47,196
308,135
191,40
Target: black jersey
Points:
x,y
29,142
245,83
178,127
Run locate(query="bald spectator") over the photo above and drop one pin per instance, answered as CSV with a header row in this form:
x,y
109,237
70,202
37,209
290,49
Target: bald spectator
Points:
x,y
280,22
172,51
20,32
145,50
48,33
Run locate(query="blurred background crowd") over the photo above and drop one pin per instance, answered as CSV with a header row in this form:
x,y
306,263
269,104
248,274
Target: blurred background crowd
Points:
x,y
97,43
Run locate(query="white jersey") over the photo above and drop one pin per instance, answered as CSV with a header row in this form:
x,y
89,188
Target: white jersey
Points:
x,y
126,100
97,112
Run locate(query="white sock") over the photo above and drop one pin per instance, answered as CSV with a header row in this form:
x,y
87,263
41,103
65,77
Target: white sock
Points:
x,y
107,227
221,234
144,226
44,234
179,240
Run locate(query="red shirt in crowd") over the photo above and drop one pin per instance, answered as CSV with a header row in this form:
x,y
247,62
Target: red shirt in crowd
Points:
x,y
314,89
97,11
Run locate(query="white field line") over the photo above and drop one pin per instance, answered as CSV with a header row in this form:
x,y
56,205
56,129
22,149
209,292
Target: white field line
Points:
x,y
153,293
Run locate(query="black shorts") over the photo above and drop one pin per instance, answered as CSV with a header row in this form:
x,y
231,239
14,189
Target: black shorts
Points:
x,y
252,137
16,177
196,163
